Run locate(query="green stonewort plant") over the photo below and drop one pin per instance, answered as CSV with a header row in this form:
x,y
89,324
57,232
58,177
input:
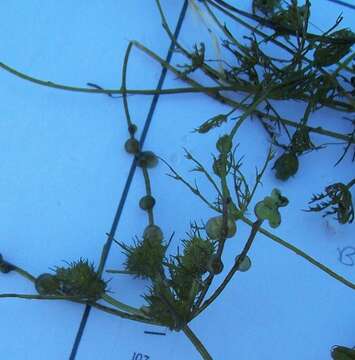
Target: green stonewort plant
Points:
x,y
318,72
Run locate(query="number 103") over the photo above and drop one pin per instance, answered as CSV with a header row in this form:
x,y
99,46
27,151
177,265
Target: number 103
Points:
x,y
139,356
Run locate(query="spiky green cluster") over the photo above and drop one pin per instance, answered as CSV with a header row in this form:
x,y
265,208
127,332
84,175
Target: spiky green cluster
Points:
x,y
145,258
197,254
78,279
166,308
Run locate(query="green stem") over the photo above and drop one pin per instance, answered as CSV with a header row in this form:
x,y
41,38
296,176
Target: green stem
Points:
x,y
122,306
351,183
124,315
197,343
123,86
212,92
194,190
25,274
101,307
276,27
196,88
148,189
255,228
51,84
302,254
281,45
122,272
39,297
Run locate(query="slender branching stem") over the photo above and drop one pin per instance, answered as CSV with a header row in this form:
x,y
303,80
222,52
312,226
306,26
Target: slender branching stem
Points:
x,y
197,343
123,86
214,93
302,254
88,90
255,228
148,190
121,306
25,274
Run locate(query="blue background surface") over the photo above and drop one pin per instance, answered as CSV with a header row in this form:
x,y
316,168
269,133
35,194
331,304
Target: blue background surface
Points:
x,y
63,168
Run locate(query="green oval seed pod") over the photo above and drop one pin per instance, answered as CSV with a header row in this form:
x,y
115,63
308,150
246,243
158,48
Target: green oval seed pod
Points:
x,y
245,264
147,202
286,166
153,233
147,159
132,146
215,265
47,284
132,128
214,227
224,144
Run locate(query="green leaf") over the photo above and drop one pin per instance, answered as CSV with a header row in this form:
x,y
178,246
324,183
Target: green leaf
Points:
x,y
214,122
268,209
331,53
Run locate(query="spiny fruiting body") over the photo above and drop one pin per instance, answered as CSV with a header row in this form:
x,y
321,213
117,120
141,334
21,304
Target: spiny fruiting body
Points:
x,y
78,279
145,258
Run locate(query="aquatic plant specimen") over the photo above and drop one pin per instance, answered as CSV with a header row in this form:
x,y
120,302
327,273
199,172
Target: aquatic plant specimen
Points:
x,y
180,282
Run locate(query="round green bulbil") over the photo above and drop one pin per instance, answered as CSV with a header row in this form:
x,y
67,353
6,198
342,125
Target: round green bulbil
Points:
x,y
147,159
214,227
47,284
153,233
147,202
132,146
224,144
132,128
216,265
286,166
245,265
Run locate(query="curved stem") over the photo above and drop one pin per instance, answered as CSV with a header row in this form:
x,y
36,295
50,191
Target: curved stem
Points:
x,y
39,297
214,93
351,183
122,306
148,189
234,269
123,86
101,307
267,37
25,274
124,315
53,85
197,343
271,24
302,254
